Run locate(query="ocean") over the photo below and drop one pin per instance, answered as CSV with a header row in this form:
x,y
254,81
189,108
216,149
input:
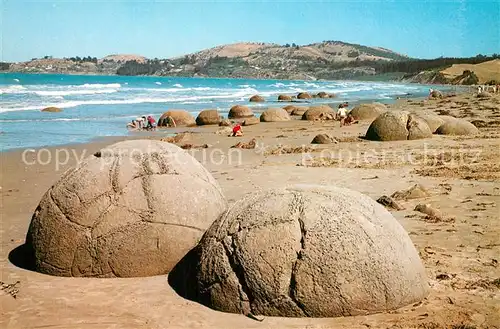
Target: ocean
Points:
x,y
98,106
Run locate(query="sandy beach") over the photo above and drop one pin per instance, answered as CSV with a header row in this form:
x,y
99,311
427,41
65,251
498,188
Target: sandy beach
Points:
x,y
460,250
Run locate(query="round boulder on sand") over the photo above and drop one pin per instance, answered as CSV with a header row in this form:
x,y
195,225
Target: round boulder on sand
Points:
x,y
324,139
323,94
398,125
133,209
484,94
303,251
181,118
208,117
304,95
240,111
274,115
322,112
368,111
257,98
299,110
284,98
52,109
433,120
457,126
251,121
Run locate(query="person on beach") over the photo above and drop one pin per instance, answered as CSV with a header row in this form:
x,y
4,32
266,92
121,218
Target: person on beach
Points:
x,y
430,93
151,123
342,114
237,132
132,125
139,123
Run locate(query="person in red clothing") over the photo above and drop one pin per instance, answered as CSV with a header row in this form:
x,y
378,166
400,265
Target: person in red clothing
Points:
x,y
237,130
151,123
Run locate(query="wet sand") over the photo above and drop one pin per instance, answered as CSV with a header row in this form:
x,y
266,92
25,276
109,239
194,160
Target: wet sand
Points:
x,y
460,252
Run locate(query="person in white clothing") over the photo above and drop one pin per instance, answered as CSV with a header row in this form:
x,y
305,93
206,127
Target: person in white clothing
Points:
x,y
342,114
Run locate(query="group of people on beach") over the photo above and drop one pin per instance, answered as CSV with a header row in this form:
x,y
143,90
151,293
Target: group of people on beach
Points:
x,y
143,123
495,89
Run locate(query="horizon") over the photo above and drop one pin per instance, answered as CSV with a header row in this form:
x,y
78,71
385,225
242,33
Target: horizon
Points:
x,y
423,29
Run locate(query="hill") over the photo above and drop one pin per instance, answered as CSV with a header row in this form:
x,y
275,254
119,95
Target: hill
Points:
x,y
485,72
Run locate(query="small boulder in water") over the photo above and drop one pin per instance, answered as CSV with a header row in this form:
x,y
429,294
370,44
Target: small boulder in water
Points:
x,y
257,98
304,95
284,98
52,109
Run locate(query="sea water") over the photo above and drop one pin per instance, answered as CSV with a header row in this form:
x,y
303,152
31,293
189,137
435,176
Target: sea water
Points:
x,y
97,106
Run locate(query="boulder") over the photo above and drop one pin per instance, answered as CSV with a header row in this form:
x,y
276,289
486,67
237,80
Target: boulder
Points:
x,y
436,94
52,109
417,191
181,118
390,203
457,127
324,139
257,98
323,94
290,108
479,123
303,251
368,111
251,121
299,110
274,115
304,95
225,123
285,98
484,94
432,120
208,117
398,125
322,112
240,111
132,209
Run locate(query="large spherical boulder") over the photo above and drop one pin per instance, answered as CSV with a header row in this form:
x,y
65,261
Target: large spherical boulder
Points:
x,y
299,110
208,117
51,109
284,98
274,115
240,111
322,112
304,95
368,111
323,94
257,98
398,125
181,118
454,126
133,209
433,120
311,251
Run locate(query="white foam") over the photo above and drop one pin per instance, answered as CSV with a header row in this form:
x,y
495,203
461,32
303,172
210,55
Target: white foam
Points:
x,y
97,85
15,89
158,83
178,85
16,80
73,92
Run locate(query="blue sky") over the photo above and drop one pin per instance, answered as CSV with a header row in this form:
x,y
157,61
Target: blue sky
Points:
x,y
163,29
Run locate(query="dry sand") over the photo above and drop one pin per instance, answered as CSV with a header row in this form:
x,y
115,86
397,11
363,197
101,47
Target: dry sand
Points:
x,y
460,251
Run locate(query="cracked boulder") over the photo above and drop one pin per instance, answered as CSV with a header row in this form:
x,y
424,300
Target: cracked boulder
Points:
x,y
303,251
398,125
132,209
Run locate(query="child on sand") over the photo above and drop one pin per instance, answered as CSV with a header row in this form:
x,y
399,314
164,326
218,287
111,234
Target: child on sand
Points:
x,y
237,130
151,123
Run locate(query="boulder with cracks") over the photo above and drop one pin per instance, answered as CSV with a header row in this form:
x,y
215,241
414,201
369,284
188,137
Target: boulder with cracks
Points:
x,y
398,125
303,251
132,209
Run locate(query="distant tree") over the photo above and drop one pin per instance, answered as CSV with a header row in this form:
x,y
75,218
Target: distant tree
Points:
x,y
287,45
352,54
47,57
